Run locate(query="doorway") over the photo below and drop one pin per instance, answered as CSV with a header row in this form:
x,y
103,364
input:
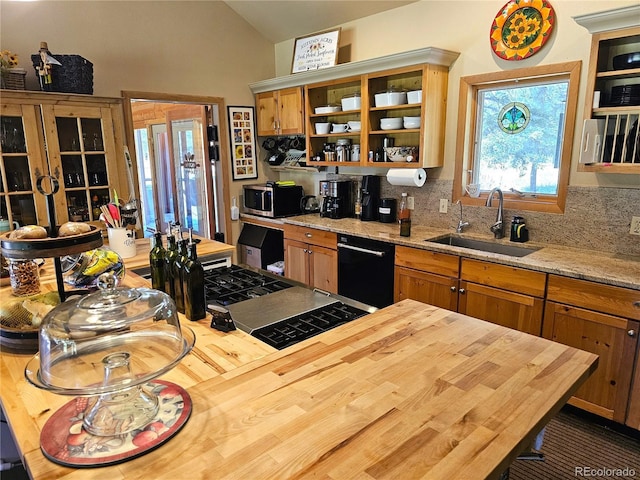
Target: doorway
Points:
x,y
177,152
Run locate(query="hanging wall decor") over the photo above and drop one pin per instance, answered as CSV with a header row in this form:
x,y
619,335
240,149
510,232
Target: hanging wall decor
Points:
x,y
521,28
514,117
243,144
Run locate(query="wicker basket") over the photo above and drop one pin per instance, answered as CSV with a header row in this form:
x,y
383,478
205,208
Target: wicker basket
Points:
x,y
75,75
13,79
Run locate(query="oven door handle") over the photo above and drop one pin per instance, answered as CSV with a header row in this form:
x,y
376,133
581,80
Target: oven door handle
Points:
x,y
362,250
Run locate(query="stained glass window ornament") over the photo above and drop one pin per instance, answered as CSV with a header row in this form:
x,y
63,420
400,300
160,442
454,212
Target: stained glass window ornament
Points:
x,y
514,117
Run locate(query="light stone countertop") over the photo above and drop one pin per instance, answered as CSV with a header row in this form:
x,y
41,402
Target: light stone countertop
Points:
x,y
603,267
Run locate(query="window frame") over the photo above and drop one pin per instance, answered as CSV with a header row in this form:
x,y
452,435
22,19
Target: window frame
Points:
x,y
467,114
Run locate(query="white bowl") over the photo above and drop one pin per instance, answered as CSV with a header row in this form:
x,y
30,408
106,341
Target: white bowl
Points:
x,y
415,96
351,102
389,99
393,123
411,122
328,109
402,154
322,128
354,126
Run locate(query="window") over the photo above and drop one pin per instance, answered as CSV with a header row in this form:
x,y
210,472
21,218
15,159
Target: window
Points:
x,y
517,134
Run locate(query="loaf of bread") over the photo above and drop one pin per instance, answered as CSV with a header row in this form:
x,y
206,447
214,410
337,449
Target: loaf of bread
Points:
x,y
73,228
28,232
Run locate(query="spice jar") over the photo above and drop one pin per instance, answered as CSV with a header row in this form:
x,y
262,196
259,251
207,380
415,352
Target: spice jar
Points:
x,y
24,277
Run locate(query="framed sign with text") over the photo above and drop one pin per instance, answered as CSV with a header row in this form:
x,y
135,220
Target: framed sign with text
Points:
x,y
243,145
316,51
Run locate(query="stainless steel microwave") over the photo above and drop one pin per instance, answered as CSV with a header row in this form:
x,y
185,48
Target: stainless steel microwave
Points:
x,y
273,200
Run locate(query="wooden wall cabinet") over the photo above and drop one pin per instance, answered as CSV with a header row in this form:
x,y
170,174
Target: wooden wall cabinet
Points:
x,y
611,143
280,112
82,138
509,296
311,257
428,138
600,319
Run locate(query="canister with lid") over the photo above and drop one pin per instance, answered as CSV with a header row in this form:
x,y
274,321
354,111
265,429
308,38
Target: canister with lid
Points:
x,y
343,150
355,152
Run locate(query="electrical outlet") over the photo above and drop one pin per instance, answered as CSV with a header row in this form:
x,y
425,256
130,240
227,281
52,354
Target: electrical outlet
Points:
x,y
410,203
635,226
444,204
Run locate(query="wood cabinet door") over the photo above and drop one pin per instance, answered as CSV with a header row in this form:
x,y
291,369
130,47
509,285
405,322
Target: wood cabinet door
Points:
x,y
606,392
291,111
266,113
509,309
633,413
323,268
296,261
425,287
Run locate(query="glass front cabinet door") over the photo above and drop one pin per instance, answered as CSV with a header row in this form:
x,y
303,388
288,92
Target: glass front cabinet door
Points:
x,y
69,137
21,164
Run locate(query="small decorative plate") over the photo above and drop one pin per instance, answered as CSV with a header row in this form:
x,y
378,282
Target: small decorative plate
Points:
x,y
521,28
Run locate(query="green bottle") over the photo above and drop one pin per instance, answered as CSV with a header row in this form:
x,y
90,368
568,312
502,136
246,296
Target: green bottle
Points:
x,y
169,260
156,262
194,298
178,274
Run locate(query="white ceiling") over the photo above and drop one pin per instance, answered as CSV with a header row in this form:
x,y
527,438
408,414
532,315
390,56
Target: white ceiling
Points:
x,y
279,20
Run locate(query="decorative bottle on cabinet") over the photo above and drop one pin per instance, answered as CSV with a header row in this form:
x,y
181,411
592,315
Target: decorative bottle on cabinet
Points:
x,y
169,260
178,274
194,298
404,217
156,262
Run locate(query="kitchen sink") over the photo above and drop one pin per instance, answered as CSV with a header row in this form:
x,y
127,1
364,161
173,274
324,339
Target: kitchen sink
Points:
x,y
481,245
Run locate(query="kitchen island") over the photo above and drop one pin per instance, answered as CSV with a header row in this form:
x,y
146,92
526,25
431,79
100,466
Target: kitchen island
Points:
x,y
409,391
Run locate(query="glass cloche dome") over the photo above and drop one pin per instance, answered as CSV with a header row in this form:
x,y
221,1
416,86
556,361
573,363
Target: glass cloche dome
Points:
x,y
109,344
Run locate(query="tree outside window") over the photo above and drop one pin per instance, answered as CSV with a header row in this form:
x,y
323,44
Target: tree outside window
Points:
x,y
518,133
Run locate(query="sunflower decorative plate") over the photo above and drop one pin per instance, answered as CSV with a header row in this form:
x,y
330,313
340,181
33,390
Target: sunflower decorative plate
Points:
x,y
521,28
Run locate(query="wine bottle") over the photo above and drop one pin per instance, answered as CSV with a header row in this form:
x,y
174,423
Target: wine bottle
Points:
x,y
156,262
169,259
178,274
194,298
404,217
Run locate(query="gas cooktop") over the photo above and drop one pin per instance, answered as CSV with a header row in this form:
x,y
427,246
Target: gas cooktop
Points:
x,y
277,311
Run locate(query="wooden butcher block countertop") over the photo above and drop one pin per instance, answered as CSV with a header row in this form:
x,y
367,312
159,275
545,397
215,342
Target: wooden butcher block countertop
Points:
x,y
411,391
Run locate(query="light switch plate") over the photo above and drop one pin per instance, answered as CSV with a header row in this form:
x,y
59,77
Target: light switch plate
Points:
x,y
410,203
444,204
635,226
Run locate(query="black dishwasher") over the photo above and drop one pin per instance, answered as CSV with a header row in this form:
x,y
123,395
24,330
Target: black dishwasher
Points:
x,y
365,270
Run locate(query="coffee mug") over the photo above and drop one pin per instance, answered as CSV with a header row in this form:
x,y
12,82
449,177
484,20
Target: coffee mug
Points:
x,y
322,128
5,225
339,128
473,189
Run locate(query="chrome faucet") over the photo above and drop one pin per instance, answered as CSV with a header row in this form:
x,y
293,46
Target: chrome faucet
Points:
x,y
498,227
461,224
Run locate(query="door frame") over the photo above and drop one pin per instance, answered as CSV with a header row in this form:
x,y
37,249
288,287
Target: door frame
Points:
x,y
130,95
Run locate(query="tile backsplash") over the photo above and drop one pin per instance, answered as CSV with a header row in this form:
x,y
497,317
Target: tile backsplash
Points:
x,y
595,218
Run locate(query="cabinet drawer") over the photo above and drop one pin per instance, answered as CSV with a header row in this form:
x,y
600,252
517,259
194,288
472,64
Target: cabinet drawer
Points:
x,y
503,276
424,260
313,236
594,296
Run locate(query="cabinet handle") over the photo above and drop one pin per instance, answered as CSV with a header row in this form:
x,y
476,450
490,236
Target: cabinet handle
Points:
x,y
308,235
462,291
305,250
453,289
636,304
631,333
310,252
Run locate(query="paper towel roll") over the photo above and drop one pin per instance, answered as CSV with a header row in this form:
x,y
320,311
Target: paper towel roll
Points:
x,y
410,177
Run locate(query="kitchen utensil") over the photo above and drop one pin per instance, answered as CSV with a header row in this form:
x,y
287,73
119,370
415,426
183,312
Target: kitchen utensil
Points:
x,y
392,123
351,102
414,96
411,122
401,154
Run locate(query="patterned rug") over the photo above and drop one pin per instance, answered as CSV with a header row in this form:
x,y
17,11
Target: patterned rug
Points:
x,y
577,446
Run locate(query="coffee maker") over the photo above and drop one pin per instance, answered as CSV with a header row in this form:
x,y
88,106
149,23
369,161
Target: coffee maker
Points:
x,y
370,196
338,201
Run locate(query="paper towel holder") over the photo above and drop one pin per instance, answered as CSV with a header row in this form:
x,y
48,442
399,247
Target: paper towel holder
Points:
x,y
409,177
